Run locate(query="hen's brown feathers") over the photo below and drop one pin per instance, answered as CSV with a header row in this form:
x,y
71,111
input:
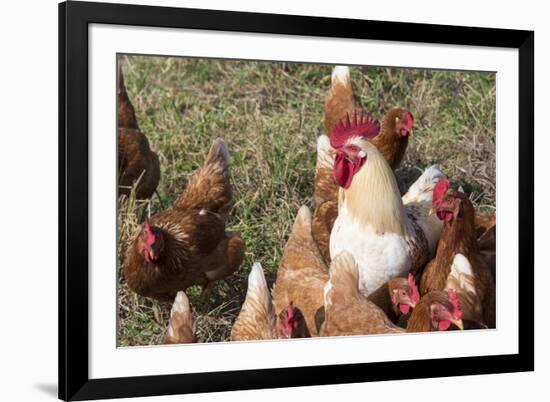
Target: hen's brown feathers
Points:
x,y
209,188
388,142
325,197
459,241
195,249
180,328
302,273
126,112
321,226
382,297
420,320
137,163
347,311
457,236
339,101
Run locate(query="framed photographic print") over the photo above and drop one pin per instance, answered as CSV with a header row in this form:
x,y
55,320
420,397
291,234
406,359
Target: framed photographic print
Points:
x,y
257,201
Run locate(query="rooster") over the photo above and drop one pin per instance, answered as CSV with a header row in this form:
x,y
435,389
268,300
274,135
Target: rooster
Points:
x,y
257,319
347,310
458,253
187,244
138,165
387,238
302,274
180,328
391,139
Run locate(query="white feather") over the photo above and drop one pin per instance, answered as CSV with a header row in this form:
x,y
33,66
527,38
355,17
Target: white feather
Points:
x,y
324,159
257,285
461,272
340,74
379,257
421,190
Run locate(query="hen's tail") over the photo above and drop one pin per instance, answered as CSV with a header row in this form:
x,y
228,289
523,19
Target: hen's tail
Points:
x,y
180,328
421,190
126,112
339,100
300,246
209,189
257,318
344,275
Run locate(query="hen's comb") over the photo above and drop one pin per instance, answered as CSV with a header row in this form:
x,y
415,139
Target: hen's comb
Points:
x,y
149,232
360,126
410,119
439,190
453,298
290,312
415,295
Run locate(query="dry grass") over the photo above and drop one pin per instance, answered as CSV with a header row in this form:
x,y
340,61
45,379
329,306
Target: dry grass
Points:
x,y
270,115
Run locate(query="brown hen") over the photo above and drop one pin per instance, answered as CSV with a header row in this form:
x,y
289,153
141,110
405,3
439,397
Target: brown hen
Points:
x,y
138,165
438,310
187,244
458,253
396,298
302,274
257,319
347,311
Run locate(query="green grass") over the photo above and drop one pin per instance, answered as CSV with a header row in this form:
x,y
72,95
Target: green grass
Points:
x,y
270,115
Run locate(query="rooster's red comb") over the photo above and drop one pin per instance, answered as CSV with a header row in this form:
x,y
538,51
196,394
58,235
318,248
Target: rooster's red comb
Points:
x,y
453,298
360,126
439,190
415,295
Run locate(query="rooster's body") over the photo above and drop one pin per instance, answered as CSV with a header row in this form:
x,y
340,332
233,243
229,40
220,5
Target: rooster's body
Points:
x,y
391,140
386,238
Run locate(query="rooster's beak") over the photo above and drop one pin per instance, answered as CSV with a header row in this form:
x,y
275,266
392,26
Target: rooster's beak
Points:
x,y
431,211
411,132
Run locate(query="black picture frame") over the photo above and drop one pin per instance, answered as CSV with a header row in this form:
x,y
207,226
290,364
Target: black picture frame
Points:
x,y
74,18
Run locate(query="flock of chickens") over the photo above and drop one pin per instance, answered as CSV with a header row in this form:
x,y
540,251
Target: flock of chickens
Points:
x,y
367,261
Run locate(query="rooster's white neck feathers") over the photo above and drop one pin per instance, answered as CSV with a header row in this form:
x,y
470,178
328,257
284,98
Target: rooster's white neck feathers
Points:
x,y
373,197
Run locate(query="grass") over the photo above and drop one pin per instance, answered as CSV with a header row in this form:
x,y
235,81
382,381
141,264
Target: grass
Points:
x,y
270,115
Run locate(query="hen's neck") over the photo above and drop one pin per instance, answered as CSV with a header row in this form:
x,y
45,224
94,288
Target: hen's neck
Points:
x,y
458,237
373,197
174,250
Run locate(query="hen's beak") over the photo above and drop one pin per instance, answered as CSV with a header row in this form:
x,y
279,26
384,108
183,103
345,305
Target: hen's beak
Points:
x,y
458,323
431,211
152,254
411,132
